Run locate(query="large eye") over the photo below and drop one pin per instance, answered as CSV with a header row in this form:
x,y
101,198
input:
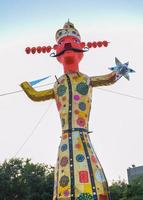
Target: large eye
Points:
x,y
77,41
60,33
60,42
74,32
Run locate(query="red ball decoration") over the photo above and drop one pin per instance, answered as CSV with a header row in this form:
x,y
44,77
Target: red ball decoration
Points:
x,y
39,49
33,50
27,50
55,46
82,44
44,49
99,44
48,49
89,44
94,44
105,43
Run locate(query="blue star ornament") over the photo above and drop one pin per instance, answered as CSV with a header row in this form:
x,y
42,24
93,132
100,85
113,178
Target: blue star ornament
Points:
x,y
122,69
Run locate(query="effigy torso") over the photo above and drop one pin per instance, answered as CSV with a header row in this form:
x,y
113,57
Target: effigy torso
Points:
x,y
73,98
79,174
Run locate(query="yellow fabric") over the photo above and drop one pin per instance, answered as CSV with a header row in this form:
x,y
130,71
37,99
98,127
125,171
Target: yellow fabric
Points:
x,y
37,95
104,80
78,171
81,103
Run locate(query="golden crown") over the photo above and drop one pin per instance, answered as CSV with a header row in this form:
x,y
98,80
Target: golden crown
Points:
x,y
68,30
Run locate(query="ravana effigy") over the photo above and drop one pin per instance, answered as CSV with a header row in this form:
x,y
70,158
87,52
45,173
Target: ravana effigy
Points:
x,y
78,173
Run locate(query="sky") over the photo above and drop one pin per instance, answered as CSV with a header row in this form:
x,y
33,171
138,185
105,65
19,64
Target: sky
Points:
x,y
116,120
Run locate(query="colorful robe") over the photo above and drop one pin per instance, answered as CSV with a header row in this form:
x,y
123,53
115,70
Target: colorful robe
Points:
x,y
78,173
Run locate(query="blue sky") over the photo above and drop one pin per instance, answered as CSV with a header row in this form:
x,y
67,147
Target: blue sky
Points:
x,y
16,15
32,22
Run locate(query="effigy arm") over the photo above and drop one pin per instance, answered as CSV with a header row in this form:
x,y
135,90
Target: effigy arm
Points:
x,y
37,95
104,80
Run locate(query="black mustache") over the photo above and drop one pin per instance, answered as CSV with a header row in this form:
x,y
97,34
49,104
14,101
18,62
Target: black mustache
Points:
x,y
69,49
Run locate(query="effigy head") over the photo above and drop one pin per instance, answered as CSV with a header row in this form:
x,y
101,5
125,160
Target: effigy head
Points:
x,y
69,49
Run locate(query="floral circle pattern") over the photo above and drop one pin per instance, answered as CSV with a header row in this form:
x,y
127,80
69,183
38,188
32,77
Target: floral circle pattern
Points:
x,y
66,193
64,161
64,147
82,106
82,88
80,158
76,97
64,181
61,90
81,122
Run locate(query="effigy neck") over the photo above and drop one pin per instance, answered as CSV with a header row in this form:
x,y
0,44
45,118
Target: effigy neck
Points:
x,y
71,68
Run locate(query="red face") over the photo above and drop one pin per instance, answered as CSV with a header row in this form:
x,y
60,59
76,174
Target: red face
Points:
x,y
69,58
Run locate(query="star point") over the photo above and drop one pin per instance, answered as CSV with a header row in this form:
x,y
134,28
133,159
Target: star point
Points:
x,y
122,69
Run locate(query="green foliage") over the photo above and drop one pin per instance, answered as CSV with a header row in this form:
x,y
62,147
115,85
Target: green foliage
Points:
x,y
121,191
22,180
117,189
134,191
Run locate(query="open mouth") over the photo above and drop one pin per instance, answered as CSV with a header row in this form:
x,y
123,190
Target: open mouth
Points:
x,y
68,46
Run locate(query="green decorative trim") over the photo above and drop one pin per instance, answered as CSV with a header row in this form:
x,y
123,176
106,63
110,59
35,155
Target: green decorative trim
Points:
x,y
85,196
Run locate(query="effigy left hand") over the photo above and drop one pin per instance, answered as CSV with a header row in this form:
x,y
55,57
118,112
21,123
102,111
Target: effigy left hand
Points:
x,y
122,69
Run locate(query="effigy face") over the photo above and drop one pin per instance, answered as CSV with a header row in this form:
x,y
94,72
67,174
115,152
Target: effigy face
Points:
x,y
79,174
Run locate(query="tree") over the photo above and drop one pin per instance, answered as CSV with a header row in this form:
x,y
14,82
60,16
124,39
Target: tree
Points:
x,y
22,180
134,191
117,189
121,191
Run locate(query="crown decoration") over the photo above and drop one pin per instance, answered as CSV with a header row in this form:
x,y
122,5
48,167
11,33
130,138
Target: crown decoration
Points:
x,y
68,30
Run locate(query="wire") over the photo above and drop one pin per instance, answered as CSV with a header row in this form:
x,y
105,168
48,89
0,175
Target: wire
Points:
x,y
119,93
106,90
33,130
14,92
8,93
